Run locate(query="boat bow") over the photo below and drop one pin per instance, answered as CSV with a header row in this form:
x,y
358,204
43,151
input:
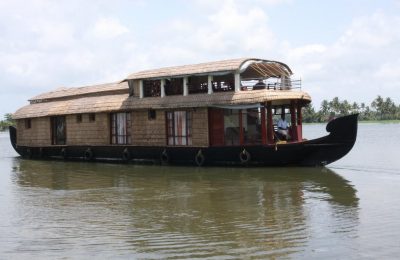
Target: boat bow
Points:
x,y
330,148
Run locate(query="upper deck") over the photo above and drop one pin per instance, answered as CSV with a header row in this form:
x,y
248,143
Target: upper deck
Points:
x,y
221,83
218,76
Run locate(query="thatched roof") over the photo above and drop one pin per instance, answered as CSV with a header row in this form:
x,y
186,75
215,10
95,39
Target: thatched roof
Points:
x,y
68,93
118,102
265,68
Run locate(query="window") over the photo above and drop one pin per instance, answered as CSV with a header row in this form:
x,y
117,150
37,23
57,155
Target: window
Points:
x,y
58,130
232,126
198,84
79,118
131,87
251,123
174,86
179,127
121,128
28,123
223,83
151,114
152,88
92,117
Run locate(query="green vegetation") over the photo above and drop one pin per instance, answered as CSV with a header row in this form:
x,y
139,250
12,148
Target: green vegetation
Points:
x,y
8,121
382,109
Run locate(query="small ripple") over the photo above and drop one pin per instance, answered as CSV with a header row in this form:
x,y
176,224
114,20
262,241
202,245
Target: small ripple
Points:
x,y
368,169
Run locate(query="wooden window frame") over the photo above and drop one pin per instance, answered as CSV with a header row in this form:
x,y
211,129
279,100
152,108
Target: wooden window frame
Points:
x,y
114,136
92,117
54,138
79,118
28,123
151,114
171,131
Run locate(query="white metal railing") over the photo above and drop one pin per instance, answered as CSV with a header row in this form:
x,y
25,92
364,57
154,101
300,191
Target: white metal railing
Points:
x,y
287,84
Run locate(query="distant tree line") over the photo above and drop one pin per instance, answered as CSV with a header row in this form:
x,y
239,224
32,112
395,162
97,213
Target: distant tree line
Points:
x,y
8,121
379,109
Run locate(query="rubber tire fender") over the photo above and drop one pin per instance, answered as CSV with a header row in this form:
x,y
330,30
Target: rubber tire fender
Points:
x,y
88,155
63,153
199,158
244,156
164,157
126,155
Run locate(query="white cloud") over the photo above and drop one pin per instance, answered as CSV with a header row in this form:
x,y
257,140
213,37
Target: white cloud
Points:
x,y
109,28
274,2
304,51
361,64
54,35
230,31
389,71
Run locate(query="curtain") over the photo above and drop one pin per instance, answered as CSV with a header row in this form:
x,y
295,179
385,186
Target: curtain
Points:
x,y
121,128
180,127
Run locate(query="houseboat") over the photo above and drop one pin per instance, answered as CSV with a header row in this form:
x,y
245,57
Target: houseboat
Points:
x,y
217,113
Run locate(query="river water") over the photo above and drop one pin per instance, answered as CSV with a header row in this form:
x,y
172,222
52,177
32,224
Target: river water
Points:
x,y
348,210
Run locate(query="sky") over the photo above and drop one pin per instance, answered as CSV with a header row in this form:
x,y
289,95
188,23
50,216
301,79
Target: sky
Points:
x,y
344,48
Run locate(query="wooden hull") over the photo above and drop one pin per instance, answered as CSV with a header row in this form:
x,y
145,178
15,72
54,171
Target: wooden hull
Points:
x,y
316,152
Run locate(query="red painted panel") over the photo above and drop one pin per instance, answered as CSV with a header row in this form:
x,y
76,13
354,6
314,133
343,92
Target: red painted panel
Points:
x,y
216,126
263,128
270,127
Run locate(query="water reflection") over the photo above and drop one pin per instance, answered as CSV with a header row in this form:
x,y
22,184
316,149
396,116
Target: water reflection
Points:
x,y
179,212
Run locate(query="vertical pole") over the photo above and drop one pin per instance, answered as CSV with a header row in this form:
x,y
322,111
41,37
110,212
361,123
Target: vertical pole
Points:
x,y
270,127
141,90
237,82
293,119
241,127
185,86
293,112
299,114
162,82
299,122
263,128
209,84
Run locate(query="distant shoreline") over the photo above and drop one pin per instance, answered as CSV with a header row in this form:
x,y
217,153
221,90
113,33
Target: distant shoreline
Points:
x,y
362,122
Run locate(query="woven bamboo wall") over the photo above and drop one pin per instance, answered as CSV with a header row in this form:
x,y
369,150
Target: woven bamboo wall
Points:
x,y
148,132
88,133
37,135
145,132
200,127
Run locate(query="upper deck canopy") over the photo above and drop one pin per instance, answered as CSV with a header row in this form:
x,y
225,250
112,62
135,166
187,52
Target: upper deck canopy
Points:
x,y
247,67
